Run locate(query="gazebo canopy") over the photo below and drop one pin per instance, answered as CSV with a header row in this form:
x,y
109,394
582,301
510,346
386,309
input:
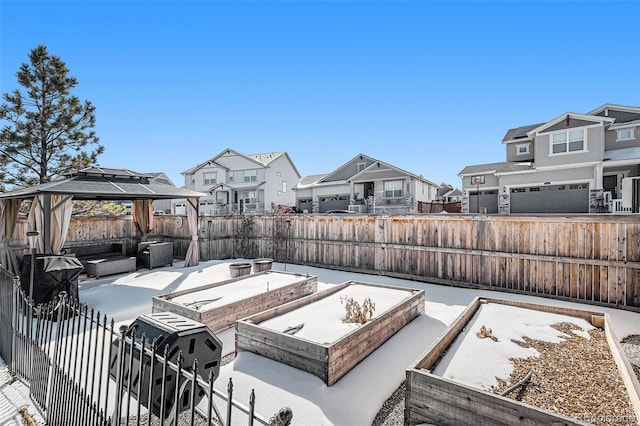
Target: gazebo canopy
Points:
x,y
96,183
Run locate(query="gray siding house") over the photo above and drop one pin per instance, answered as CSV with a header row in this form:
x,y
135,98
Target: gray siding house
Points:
x,y
574,163
242,184
365,185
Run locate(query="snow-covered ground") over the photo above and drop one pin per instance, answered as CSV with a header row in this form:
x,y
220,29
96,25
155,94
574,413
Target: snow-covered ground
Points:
x,y
356,398
14,396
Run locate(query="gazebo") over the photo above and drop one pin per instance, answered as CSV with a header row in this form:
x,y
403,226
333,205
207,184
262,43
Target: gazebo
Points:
x,y
52,205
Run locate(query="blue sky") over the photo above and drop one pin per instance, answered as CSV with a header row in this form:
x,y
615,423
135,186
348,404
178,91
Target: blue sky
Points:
x,y
427,86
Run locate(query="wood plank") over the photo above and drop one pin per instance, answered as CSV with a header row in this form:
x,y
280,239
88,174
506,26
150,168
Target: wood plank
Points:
x,y
441,401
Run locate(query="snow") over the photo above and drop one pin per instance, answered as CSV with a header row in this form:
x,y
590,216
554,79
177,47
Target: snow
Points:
x,y
249,286
14,396
357,397
324,319
481,362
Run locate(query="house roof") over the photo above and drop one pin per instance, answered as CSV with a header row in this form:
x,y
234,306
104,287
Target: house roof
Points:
x,y
309,180
503,167
237,185
357,157
451,193
375,166
161,177
100,183
262,160
622,154
616,107
567,115
358,177
625,124
267,157
519,133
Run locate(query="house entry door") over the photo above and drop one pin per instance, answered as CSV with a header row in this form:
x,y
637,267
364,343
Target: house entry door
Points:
x,y
610,183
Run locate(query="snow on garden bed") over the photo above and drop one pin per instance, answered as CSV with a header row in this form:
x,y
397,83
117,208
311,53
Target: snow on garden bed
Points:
x,y
481,362
220,304
310,333
324,320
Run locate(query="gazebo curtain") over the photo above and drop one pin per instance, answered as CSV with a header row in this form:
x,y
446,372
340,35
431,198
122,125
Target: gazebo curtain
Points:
x,y
36,221
192,257
8,216
61,209
143,217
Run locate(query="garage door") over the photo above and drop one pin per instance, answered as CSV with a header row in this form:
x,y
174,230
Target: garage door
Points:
x,y
333,203
551,199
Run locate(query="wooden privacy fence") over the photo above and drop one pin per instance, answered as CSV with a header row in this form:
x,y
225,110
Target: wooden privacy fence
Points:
x,y
591,258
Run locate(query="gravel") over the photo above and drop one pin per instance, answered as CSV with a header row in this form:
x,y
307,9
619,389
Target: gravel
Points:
x,y
598,359
392,411
577,378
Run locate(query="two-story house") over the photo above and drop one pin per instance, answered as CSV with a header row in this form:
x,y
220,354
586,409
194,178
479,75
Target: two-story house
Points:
x,y
365,185
243,184
574,163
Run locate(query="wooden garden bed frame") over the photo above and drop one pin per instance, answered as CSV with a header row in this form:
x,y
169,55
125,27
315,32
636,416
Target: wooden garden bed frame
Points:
x,y
223,317
329,361
430,398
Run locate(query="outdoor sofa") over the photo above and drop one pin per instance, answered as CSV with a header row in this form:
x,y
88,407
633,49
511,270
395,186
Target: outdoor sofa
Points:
x,y
152,254
103,259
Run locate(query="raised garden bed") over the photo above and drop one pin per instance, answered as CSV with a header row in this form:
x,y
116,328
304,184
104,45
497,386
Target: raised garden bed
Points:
x,y
219,305
460,378
310,333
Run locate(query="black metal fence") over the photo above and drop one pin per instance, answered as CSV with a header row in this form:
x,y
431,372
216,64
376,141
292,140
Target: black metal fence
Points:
x,y
80,370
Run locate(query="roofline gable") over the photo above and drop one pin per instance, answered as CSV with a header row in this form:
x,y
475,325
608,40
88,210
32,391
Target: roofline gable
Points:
x,y
286,154
624,108
390,166
229,150
328,176
585,117
213,160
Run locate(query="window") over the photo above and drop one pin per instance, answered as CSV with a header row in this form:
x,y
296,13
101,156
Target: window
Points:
x,y
393,189
230,177
477,180
625,135
250,175
571,141
193,180
362,166
522,149
210,177
284,186
249,196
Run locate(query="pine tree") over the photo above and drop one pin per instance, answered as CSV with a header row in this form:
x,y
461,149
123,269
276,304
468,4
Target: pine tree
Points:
x,y
46,131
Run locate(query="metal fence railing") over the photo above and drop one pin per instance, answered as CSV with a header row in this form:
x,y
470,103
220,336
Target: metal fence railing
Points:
x,y
78,371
